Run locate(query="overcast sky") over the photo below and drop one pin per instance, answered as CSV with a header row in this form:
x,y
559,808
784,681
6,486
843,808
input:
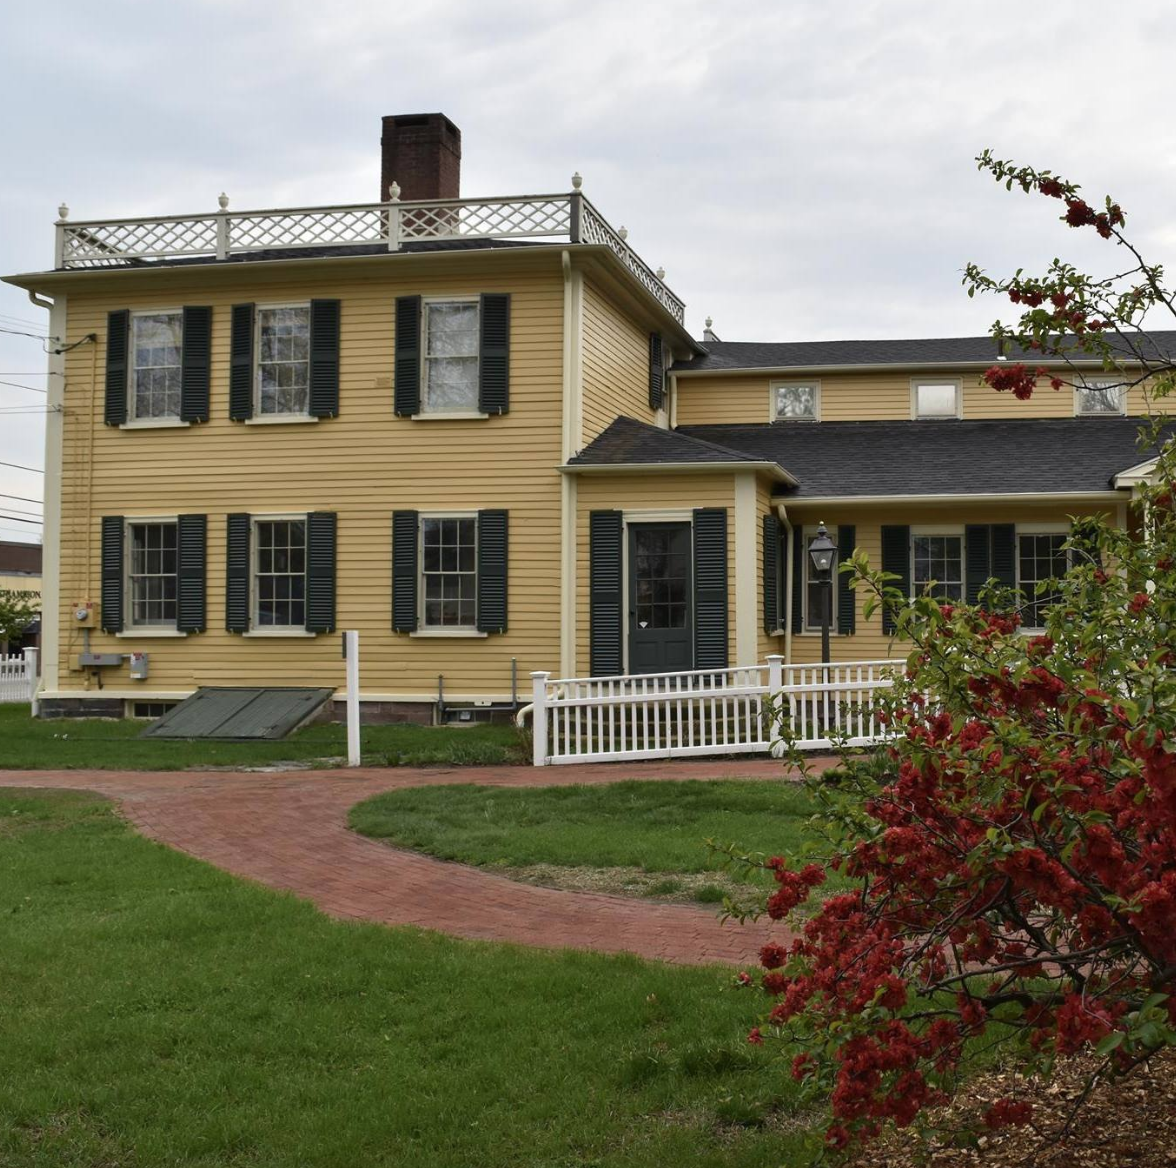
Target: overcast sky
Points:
x,y
802,169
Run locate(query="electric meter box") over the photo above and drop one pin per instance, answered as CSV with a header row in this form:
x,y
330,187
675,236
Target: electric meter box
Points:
x,y
140,666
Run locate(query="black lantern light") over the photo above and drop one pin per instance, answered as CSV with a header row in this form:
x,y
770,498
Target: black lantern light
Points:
x,y
822,552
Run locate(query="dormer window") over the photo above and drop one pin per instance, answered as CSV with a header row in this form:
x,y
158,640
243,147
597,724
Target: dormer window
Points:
x,y
936,398
1096,396
795,401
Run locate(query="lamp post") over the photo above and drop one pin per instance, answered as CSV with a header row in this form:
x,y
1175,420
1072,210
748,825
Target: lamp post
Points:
x,y
822,551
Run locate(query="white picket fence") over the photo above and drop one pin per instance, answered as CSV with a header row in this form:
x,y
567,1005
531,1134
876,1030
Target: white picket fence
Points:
x,y
18,677
707,712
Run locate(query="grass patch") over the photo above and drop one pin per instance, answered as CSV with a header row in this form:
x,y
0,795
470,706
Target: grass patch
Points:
x,y
156,1011
619,831
113,744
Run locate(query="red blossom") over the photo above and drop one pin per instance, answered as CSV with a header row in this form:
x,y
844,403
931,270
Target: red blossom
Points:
x,y
755,1037
1008,1113
1051,187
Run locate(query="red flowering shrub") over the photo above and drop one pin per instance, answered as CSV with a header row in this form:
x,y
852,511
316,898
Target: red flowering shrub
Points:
x,y
1012,849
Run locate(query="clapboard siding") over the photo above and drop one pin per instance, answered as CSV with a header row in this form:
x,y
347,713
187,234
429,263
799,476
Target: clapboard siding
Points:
x,y
861,397
647,492
615,362
363,465
868,642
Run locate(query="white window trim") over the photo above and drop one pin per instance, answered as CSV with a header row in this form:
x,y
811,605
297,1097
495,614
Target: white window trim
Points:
x,y
256,630
448,416
422,629
133,422
946,529
131,629
956,382
1035,529
814,382
257,416
426,411
1095,383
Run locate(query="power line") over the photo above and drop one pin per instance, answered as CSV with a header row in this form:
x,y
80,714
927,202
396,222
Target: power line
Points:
x,y
17,519
17,510
22,498
22,333
17,385
17,466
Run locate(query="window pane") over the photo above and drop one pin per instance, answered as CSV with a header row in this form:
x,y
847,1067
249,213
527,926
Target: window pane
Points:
x,y
796,402
155,365
936,400
449,580
452,330
938,560
283,369
280,581
1100,397
451,356
1039,558
151,579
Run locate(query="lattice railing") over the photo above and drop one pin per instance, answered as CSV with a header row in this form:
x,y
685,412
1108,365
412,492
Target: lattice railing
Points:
x,y
138,242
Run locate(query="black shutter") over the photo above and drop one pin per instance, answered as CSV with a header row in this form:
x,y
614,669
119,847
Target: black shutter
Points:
x,y
771,573
407,393
191,541
113,529
605,602
241,363
656,372
896,558
195,364
320,572
846,597
405,528
977,559
492,571
237,573
710,588
494,355
798,553
1004,553
118,328
324,358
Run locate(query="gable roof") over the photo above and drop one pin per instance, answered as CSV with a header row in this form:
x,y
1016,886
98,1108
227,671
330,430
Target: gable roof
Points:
x,y
943,351
628,442
1022,456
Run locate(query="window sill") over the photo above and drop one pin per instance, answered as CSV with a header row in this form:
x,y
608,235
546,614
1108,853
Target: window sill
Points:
x,y
150,633
154,424
449,633
450,416
817,633
280,420
296,633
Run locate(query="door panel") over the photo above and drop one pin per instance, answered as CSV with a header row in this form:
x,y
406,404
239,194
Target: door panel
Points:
x,y
661,624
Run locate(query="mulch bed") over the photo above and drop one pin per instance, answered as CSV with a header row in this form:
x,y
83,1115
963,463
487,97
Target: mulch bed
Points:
x,y
1130,1121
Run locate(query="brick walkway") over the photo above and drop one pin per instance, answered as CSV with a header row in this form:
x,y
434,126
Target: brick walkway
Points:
x,y
289,831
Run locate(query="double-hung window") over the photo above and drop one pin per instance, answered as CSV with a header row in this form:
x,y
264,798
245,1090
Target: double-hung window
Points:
x,y
283,361
813,594
795,401
1041,557
451,340
449,572
151,573
937,559
1094,396
279,573
156,350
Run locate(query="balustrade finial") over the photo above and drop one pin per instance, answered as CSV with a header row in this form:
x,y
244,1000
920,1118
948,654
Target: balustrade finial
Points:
x,y
661,273
710,320
623,232
62,211
394,192
223,201
577,181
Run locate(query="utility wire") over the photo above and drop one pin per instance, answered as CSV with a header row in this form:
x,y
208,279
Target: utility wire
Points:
x,y
22,498
17,385
22,333
17,510
17,519
17,466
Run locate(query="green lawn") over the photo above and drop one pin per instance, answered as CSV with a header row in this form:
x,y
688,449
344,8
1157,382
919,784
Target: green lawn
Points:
x,y
28,743
622,831
155,1011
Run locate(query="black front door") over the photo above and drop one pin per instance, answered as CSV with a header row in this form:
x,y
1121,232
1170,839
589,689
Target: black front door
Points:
x,y
661,624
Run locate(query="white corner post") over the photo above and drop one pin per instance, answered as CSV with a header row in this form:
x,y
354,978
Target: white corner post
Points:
x,y
351,653
30,660
539,718
775,703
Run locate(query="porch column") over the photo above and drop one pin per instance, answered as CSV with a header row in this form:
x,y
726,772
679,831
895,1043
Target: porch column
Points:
x,y
747,571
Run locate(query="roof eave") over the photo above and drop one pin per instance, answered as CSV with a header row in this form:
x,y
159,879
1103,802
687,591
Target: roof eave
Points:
x,y
774,469
876,367
1020,497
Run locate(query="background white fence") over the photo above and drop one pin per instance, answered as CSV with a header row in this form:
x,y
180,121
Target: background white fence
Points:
x,y
744,710
18,677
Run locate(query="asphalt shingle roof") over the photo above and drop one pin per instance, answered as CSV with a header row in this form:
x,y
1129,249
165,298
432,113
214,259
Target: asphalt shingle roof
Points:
x,y
946,351
627,441
1017,456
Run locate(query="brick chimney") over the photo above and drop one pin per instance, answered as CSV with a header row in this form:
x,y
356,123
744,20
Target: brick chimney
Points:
x,y
421,152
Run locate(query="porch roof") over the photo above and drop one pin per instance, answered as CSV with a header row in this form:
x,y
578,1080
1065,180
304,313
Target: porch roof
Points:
x,y
1023,456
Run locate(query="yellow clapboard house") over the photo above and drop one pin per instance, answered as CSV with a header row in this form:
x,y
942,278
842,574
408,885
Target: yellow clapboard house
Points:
x,y
479,432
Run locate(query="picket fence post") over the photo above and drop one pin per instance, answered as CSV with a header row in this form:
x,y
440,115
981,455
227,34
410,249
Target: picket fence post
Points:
x,y
539,718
